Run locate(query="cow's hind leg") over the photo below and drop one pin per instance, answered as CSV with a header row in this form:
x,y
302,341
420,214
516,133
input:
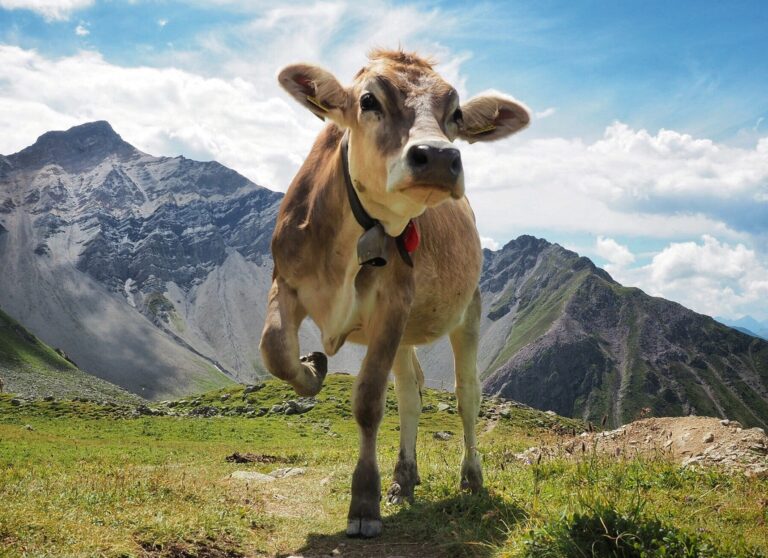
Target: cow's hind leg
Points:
x,y
464,340
280,343
409,379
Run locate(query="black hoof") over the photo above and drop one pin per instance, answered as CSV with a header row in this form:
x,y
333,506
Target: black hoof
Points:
x,y
316,366
319,362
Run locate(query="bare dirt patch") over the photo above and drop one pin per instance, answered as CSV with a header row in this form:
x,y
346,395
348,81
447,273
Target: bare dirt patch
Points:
x,y
693,441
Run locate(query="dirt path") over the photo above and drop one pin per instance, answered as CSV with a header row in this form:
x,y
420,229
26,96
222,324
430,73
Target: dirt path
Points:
x,y
693,441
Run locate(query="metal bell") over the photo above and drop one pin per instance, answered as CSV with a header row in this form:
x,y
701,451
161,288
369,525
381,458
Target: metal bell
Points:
x,y
372,247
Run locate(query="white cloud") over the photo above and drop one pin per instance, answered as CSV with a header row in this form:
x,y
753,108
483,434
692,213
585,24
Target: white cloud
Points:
x,y
616,254
487,242
82,31
163,111
710,276
49,9
546,113
667,185
162,22
240,117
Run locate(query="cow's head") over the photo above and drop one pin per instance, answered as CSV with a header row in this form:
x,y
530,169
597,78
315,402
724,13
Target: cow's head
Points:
x,y
402,119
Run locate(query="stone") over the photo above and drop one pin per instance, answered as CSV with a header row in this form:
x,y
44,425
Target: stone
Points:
x,y
725,422
443,406
287,472
251,476
16,402
708,438
253,389
28,427
550,413
225,397
48,398
443,435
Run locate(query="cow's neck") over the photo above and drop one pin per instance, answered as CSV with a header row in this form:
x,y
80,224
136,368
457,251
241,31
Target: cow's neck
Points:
x,y
393,223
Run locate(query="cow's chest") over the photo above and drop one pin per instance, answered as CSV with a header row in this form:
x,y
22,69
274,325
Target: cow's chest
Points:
x,y
338,308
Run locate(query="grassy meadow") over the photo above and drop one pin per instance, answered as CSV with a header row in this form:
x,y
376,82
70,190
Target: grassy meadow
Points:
x,y
85,479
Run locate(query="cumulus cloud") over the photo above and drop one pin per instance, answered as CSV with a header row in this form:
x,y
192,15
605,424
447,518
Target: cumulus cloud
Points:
x,y
630,182
710,276
617,255
49,9
82,31
487,242
163,111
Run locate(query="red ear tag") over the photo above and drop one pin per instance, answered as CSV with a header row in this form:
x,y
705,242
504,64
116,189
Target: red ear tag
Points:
x,y
411,237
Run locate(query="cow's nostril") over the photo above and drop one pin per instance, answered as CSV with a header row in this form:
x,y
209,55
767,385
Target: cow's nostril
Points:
x,y
418,156
456,164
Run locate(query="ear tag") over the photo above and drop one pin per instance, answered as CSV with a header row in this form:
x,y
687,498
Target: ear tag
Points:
x,y
483,130
318,103
372,247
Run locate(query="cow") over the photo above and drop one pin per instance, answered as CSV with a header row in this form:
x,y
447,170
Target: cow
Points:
x,y
376,242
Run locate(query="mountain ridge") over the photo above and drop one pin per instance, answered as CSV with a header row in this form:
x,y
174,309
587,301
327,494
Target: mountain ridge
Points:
x,y
166,263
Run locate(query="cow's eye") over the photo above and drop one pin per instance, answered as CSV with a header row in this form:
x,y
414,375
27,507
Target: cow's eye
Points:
x,y
458,116
369,102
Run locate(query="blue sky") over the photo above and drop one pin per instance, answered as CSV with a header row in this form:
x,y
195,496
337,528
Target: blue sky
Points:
x,y
649,152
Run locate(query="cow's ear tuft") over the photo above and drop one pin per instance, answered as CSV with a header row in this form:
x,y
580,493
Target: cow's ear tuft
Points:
x,y
316,89
492,116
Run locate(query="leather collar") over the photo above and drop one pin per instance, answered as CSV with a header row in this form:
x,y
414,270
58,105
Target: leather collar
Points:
x,y
369,224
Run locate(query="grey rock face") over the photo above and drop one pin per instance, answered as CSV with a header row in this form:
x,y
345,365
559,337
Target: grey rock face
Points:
x,y
89,220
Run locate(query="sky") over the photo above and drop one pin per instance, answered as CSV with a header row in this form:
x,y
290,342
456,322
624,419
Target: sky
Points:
x,y
648,151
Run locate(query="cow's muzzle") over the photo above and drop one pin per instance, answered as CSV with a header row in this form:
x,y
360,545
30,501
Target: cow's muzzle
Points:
x,y
430,171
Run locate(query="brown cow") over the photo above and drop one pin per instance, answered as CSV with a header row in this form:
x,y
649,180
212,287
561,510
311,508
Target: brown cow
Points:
x,y
382,175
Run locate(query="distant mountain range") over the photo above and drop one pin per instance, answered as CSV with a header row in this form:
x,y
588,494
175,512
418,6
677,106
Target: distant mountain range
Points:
x,y
748,325
153,272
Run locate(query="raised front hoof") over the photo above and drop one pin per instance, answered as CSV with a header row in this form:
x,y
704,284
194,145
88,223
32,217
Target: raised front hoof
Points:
x,y
365,528
398,494
315,366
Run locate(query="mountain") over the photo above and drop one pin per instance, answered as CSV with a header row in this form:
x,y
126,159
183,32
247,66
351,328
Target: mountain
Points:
x,y
30,368
97,236
153,273
561,334
748,325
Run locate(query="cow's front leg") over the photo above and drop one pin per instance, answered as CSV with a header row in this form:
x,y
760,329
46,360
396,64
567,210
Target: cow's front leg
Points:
x,y
280,342
409,380
369,395
464,340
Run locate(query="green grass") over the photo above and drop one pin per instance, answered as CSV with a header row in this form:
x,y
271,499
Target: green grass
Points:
x,y
83,480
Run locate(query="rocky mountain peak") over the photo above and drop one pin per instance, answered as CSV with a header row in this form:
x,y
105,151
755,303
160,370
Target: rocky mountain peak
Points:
x,y
74,149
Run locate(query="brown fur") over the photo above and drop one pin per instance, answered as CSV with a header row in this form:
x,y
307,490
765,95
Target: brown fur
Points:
x,y
393,308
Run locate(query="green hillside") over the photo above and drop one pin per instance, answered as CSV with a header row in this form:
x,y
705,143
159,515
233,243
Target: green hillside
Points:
x,y
83,479
30,368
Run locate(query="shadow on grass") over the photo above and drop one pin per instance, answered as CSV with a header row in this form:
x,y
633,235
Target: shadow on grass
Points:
x,y
461,526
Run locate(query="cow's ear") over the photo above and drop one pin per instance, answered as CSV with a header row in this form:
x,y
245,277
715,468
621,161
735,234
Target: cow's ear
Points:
x,y
316,89
492,116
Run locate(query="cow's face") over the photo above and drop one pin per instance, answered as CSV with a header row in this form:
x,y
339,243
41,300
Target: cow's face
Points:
x,y
402,119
